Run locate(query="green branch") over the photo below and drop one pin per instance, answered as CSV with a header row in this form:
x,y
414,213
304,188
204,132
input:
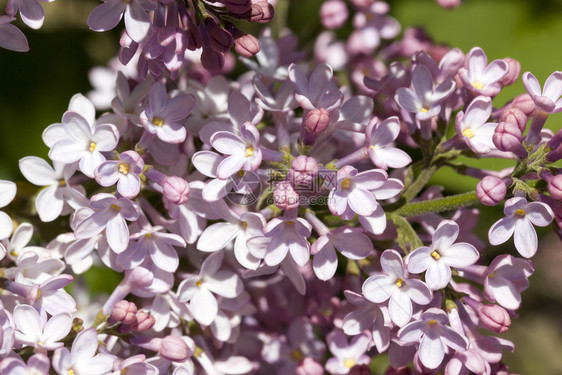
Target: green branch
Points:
x,y
438,205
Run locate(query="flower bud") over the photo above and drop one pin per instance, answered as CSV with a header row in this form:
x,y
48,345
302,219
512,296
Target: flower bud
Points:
x,y
393,371
516,116
176,189
238,6
247,45
507,137
491,190
316,121
139,277
449,4
556,140
254,14
219,39
333,14
124,312
174,349
495,318
212,60
514,69
309,366
303,170
284,196
525,103
555,187
267,11
145,321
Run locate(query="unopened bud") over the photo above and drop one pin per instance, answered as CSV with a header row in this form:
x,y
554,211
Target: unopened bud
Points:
x,y
555,187
303,170
515,116
525,103
284,196
237,6
309,366
449,4
139,277
495,318
507,137
254,14
267,11
491,190
145,321
124,312
316,121
333,14
514,69
247,45
174,349
176,190
219,39
212,60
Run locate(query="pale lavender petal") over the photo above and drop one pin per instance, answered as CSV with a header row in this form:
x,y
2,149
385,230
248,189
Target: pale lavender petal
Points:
x,y
203,306
117,234
502,230
494,72
553,86
362,202
228,143
445,235
411,332
392,263
422,82
107,15
129,185
217,236
438,275
276,251
172,133
386,132
325,263
7,192
400,308
48,203
230,165
137,22
408,100
206,162
216,189
212,264
370,180
379,288
389,189
505,293
477,113
26,319
431,352
419,260
376,222
460,255
224,283
353,245
84,346
357,321
525,238
178,108
540,214
391,157
453,339
418,291
31,13
37,171
442,91
531,84
299,249
11,37
294,275
477,62
57,327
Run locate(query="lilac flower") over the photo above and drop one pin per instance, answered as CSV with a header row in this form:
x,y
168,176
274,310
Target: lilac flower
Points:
x,y
394,285
319,91
479,76
198,289
434,336
51,200
244,152
31,12
424,100
37,364
11,37
472,126
107,15
163,116
35,330
379,144
443,254
506,278
351,194
346,355
82,358
124,172
110,214
7,194
80,143
547,100
519,220
33,268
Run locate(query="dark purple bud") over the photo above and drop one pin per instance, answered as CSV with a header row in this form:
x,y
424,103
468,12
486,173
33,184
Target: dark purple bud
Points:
x,y
516,116
212,60
237,6
514,69
124,312
145,321
284,196
219,39
556,140
555,187
507,137
316,121
176,189
333,14
495,318
174,349
491,190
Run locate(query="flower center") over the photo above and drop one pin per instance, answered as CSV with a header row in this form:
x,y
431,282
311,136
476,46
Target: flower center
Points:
x,y
435,254
432,322
346,183
124,168
92,146
478,85
349,363
157,121
468,133
199,283
519,212
115,207
14,253
297,355
424,110
71,372
241,173
148,235
399,282
249,151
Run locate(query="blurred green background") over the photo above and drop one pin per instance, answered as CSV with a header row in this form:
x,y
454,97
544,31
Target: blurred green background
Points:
x,y
35,88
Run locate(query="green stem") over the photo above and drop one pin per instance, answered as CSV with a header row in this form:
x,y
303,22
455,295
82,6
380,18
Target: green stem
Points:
x,y
407,237
438,205
419,183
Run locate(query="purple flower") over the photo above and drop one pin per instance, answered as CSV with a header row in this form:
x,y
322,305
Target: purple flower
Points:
x,y
124,172
434,336
7,194
11,37
37,331
379,143
506,278
519,220
481,78
473,128
443,254
547,99
346,354
394,285
37,364
319,91
288,235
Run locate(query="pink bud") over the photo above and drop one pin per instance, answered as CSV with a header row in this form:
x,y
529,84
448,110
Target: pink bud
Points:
x,y
400,371
309,366
316,121
491,190
495,318
555,187
507,137
267,11
449,4
247,45
254,14
237,6
145,321
174,349
284,196
516,116
124,312
138,278
362,3
303,171
212,60
525,103
176,189
514,69
333,14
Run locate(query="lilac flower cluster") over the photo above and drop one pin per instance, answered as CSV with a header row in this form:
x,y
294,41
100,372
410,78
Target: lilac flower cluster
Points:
x,y
210,193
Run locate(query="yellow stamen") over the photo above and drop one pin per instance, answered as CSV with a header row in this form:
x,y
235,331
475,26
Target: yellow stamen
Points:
x,y
349,363
478,85
424,110
244,224
71,372
520,212
491,276
157,121
290,222
435,254
199,283
468,133
346,183
297,354
124,168
249,151
432,322
148,235
62,183
38,294
241,173
14,253
115,207
92,146
399,282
